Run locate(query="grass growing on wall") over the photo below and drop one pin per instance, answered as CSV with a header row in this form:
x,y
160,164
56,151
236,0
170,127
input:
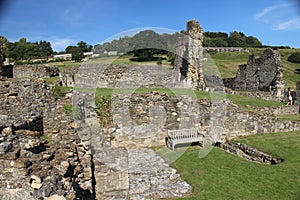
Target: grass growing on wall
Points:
x,y
221,175
242,101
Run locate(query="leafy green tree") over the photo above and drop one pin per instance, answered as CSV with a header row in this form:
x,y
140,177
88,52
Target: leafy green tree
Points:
x,y
237,39
45,48
69,49
253,42
77,54
294,57
84,46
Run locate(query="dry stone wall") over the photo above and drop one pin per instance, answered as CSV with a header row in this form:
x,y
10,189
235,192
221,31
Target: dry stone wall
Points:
x,y
34,71
142,120
263,73
40,151
249,153
118,76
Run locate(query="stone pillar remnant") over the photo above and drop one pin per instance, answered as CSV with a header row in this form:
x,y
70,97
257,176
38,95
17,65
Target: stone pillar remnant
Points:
x,y
189,56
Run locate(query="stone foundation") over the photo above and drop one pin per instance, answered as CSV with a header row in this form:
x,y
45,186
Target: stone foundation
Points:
x,y
249,153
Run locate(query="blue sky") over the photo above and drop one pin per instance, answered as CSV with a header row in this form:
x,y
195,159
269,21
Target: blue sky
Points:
x,y
66,22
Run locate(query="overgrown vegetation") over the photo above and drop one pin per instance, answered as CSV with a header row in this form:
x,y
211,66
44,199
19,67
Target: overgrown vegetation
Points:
x,y
221,175
294,57
59,91
104,110
67,108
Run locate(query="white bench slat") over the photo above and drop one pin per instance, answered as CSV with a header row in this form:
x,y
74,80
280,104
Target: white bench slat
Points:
x,y
182,136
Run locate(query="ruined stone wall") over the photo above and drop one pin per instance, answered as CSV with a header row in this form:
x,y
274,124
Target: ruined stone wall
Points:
x,y
249,153
34,71
143,120
40,152
189,56
297,101
118,76
263,73
122,173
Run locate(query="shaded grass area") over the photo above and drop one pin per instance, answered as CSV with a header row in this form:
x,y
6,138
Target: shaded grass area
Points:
x,y
221,175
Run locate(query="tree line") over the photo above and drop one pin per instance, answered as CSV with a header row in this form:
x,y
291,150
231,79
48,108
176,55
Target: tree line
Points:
x,y
24,50
150,39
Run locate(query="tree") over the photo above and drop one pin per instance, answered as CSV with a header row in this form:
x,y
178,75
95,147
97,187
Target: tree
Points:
x,y
3,49
69,49
253,42
237,39
294,57
45,48
77,54
84,46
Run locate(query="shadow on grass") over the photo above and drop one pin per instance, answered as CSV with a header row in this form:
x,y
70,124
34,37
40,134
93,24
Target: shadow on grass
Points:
x,y
297,71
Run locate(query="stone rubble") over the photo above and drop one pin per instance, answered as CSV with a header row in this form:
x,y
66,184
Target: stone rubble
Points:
x,y
151,177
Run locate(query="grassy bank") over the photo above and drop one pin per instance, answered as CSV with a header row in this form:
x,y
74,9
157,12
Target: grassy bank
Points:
x,y
221,175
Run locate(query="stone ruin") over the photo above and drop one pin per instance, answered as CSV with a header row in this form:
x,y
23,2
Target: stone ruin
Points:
x,y
189,56
263,73
46,153
28,71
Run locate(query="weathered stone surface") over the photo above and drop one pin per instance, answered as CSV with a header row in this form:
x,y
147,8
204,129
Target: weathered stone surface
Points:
x,y
34,71
189,56
29,118
150,178
249,153
263,73
55,197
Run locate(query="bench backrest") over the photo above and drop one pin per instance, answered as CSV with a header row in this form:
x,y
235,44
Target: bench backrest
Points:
x,y
183,133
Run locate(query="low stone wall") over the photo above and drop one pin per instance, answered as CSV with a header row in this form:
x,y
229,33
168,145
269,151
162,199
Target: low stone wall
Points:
x,y
120,76
280,110
249,153
34,71
270,96
142,120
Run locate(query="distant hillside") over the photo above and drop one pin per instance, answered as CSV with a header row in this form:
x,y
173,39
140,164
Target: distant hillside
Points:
x,y
167,41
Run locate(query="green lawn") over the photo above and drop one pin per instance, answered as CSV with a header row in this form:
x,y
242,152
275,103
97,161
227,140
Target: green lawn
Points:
x,y
221,175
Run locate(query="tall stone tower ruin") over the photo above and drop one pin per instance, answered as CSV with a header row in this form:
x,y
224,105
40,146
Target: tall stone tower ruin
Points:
x,y
189,56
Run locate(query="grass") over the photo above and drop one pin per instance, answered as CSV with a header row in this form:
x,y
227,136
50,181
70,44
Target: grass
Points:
x,y
52,80
242,101
290,117
290,72
221,175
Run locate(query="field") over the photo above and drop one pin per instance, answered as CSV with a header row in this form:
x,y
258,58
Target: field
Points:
x,y
221,175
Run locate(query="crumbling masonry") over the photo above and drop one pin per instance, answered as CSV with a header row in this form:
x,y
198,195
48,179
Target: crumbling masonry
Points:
x,y
189,56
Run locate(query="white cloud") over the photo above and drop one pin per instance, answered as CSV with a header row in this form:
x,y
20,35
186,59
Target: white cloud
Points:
x,y
280,16
267,10
60,44
288,25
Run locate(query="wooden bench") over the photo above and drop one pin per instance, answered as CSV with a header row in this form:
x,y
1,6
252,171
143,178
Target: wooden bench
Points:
x,y
183,136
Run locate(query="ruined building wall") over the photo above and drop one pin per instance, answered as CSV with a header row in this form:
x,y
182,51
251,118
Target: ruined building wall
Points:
x,y
34,71
189,56
263,73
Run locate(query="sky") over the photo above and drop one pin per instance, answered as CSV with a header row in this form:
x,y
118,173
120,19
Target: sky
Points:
x,y
66,22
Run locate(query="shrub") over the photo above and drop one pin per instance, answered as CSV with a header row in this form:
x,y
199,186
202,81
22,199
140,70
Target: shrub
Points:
x,y
159,61
294,57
